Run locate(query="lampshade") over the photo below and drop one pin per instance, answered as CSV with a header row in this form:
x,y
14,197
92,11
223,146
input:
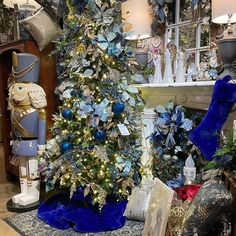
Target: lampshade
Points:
x,y
137,14
221,9
10,3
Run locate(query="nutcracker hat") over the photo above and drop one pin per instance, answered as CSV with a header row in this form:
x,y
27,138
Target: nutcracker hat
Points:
x,y
25,67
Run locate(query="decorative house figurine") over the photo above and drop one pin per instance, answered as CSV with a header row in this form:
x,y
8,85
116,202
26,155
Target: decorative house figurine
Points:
x,y
158,74
168,76
190,73
189,170
27,101
207,69
180,75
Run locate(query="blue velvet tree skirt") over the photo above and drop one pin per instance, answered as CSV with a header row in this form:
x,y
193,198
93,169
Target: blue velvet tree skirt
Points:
x,y
62,212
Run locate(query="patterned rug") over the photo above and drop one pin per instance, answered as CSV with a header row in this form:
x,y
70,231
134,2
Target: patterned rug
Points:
x,y
28,224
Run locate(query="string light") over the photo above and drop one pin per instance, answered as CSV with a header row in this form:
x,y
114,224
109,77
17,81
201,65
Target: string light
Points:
x,y
64,132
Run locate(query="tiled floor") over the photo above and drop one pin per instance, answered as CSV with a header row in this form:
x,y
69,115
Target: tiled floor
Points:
x,y
7,190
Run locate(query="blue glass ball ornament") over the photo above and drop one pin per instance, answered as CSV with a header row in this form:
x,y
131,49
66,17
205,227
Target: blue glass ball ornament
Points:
x,y
100,135
118,107
67,114
66,146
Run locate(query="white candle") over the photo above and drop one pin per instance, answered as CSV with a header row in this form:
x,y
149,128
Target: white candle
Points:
x,y
189,170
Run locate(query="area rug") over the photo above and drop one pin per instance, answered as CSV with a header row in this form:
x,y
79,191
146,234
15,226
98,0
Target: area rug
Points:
x,y
28,224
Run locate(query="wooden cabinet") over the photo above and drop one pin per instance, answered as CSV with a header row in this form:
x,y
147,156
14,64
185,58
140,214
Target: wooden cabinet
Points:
x,y
47,81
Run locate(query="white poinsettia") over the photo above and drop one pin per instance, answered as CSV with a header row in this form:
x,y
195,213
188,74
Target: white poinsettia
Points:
x,y
53,147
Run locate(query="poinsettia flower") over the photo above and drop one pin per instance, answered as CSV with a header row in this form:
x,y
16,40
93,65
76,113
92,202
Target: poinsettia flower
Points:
x,y
187,124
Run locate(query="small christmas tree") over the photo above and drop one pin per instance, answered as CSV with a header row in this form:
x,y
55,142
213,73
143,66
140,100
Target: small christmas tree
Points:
x,y
96,138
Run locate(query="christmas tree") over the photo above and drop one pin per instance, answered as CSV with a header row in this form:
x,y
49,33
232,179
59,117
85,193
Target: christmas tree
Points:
x,y
96,143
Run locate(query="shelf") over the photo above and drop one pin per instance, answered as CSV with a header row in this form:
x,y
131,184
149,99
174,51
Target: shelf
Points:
x,y
184,84
195,95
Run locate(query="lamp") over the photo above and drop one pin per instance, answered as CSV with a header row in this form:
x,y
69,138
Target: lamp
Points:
x,y
224,12
138,18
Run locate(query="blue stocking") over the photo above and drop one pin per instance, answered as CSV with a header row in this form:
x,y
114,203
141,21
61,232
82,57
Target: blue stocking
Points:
x,y
206,135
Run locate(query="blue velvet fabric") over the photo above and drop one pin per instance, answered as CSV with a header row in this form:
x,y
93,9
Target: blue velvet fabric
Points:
x,y
61,212
206,135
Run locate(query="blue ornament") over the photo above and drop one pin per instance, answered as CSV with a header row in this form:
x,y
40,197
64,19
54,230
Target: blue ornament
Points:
x,y
67,114
118,107
100,135
65,146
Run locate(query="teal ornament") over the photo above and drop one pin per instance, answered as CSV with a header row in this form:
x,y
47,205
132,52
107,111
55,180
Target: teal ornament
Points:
x,y
118,107
67,114
100,135
66,146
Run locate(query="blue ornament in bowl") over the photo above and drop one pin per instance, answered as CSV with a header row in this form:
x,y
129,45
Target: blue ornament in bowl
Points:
x,y
100,135
118,107
67,114
65,146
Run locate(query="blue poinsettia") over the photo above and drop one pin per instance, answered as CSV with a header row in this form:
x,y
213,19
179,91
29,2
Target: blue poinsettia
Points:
x,y
113,42
84,109
171,127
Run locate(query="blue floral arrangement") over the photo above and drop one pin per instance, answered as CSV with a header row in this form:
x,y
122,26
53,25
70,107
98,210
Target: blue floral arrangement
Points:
x,y
170,141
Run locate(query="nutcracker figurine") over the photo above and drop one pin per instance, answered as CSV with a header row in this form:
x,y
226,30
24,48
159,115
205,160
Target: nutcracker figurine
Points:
x,y
27,101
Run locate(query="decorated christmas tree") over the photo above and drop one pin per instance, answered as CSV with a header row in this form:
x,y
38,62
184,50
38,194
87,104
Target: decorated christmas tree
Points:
x,y
96,143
